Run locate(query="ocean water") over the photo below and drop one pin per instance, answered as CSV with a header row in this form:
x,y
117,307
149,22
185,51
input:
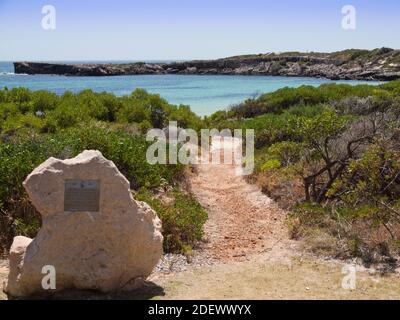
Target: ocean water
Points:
x,y
204,93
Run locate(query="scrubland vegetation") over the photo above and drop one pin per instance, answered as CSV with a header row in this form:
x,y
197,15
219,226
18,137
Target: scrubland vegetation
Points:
x,y
37,125
331,156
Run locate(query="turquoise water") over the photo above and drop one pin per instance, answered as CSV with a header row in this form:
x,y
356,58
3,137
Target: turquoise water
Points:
x,y
205,94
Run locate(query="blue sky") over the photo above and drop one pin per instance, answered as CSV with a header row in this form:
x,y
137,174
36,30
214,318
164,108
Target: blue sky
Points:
x,y
186,29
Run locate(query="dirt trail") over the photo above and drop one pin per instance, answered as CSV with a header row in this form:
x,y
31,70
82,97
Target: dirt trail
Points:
x,y
242,220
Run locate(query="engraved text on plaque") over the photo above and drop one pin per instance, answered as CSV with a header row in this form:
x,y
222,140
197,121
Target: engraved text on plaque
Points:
x,y
82,195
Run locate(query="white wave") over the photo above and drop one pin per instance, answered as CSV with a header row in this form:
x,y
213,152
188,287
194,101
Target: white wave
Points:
x,y
12,74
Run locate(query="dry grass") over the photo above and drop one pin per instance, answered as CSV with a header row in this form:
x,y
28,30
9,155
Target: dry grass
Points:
x,y
3,277
361,238
323,231
285,190
298,278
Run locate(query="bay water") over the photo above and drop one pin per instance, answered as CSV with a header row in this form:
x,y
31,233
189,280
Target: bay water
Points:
x,y
205,94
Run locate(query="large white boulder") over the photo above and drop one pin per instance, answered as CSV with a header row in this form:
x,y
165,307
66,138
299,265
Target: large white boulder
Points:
x,y
97,237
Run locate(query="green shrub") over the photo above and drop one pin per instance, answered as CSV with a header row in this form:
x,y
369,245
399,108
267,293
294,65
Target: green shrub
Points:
x,y
285,152
37,125
44,101
20,155
282,99
19,95
133,111
271,164
69,110
183,219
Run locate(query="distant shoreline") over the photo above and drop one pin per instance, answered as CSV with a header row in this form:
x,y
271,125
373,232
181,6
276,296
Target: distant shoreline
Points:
x,y
380,64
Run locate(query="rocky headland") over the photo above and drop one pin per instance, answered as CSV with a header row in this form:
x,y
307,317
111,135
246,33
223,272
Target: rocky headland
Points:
x,y
353,64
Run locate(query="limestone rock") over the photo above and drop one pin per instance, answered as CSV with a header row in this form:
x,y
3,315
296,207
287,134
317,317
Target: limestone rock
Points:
x,y
106,250
379,64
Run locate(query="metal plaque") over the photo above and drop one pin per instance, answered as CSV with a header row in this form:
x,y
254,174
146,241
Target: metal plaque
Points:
x,y
82,195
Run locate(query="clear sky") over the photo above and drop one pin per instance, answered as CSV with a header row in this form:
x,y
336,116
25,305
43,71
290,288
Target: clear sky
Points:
x,y
187,29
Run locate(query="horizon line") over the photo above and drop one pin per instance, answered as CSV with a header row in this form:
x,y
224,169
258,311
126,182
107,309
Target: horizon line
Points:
x,y
191,59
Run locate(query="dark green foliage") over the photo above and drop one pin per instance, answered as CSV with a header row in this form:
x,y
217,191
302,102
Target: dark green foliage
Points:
x,y
183,219
20,156
37,125
278,101
21,108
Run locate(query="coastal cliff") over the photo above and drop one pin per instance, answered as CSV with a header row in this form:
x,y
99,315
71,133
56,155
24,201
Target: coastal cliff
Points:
x,y
378,64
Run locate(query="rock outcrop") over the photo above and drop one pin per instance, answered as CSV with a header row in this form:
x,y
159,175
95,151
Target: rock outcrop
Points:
x,y
106,250
378,64
87,69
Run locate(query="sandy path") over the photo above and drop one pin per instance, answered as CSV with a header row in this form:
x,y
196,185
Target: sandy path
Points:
x,y
242,220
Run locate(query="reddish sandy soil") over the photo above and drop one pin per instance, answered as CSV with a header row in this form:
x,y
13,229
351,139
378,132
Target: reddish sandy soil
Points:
x,y
242,220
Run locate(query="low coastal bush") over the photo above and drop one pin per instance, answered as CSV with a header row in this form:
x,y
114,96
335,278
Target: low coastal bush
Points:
x,y
330,155
22,109
37,125
183,218
282,99
19,156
